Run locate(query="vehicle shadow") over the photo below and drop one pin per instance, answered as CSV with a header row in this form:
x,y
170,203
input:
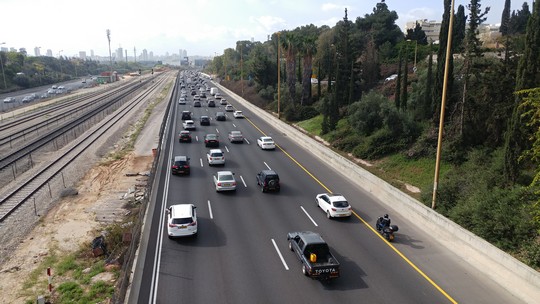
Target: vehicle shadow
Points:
x,y
400,238
208,235
351,275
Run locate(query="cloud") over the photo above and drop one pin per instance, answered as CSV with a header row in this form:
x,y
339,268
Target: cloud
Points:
x,y
268,23
331,7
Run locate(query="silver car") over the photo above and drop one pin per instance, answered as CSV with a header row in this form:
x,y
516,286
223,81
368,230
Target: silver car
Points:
x,y
224,181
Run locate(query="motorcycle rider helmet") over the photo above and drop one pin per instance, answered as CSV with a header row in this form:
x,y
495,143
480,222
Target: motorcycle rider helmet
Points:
x,y
385,216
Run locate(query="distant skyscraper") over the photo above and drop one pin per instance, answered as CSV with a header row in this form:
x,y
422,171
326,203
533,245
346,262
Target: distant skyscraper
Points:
x,y
184,53
36,51
82,54
144,55
49,53
91,53
120,54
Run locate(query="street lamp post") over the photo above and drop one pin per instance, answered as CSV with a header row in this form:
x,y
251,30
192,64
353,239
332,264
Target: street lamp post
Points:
x,y
2,65
241,71
110,54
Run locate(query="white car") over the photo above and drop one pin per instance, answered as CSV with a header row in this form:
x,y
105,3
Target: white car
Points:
x,y
334,205
182,100
238,114
224,181
390,78
223,101
215,157
181,220
189,125
266,143
229,108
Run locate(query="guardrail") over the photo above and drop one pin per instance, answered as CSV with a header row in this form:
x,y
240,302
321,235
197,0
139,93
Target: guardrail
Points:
x,y
494,263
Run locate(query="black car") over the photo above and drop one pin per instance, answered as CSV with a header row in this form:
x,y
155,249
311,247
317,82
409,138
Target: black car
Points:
x,y
221,116
193,93
268,180
211,140
180,165
186,115
203,95
205,121
211,103
184,136
197,104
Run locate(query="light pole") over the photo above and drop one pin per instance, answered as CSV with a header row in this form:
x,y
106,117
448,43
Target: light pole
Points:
x,y
241,71
110,54
2,65
415,52
278,76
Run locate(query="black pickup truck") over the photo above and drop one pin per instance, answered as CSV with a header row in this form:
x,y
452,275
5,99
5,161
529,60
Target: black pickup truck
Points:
x,y
313,252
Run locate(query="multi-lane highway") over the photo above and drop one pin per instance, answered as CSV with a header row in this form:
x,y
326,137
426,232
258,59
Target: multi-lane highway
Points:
x,y
241,255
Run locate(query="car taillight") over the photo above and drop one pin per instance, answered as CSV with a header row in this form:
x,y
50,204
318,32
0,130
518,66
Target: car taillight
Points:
x,y
186,166
234,184
175,167
333,209
193,223
219,184
172,225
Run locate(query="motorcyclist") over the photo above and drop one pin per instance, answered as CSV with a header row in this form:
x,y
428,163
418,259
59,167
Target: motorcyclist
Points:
x,y
383,222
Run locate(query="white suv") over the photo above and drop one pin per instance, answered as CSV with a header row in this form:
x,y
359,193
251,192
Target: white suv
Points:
x,y
181,220
334,205
215,157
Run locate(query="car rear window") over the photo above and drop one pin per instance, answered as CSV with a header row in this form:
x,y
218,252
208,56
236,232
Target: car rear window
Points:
x,y
183,220
341,204
216,154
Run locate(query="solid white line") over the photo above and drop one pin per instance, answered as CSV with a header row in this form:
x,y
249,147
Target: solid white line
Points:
x,y
280,256
243,181
210,209
267,166
309,216
159,243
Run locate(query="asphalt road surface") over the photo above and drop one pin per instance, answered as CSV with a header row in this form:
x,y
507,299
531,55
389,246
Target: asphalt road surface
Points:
x,y
241,255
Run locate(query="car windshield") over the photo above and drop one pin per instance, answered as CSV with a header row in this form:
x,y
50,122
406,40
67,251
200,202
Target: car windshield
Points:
x,y
341,204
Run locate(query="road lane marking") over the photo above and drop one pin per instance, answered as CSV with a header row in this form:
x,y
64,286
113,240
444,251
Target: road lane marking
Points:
x,y
428,279
247,141
200,159
227,148
267,166
210,209
217,130
196,138
234,125
280,256
243,181
309,216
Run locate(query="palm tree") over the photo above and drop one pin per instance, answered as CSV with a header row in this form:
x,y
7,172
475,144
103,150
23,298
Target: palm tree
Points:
x,y
289,43
308,48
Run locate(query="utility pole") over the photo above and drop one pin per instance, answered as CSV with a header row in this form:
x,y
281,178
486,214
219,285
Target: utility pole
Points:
x,y
110,54
135,54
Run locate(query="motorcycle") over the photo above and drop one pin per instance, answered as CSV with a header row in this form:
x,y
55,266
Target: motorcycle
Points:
x,y
388,231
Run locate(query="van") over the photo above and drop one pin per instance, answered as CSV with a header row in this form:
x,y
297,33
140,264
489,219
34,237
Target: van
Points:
x,y
213,91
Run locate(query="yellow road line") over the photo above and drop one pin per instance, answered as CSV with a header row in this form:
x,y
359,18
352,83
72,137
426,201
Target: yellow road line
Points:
x,y
367,225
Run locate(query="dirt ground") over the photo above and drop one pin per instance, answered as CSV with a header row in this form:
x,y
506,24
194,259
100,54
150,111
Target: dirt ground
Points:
x,y
74,220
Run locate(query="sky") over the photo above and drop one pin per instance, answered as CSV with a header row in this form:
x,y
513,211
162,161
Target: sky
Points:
x,y
202,27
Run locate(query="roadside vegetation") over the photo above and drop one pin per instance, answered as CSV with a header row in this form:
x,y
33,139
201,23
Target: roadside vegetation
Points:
x,y
333,84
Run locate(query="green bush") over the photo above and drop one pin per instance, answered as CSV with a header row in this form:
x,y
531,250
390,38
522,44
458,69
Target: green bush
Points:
x,y
381,143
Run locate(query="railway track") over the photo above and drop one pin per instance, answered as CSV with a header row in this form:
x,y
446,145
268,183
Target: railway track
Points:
x,y
40,177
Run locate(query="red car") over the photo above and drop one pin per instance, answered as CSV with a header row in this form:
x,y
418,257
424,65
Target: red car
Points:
x,y
184,136
211,140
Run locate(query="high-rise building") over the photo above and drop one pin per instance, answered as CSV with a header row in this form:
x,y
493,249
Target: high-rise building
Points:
x,y
49,53
120,54
82,54
36,51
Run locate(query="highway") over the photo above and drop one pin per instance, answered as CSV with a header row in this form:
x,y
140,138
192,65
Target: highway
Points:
x,y
241,255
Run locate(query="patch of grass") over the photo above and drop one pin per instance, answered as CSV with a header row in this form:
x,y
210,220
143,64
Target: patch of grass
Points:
x,y
416,172
313,125
66,264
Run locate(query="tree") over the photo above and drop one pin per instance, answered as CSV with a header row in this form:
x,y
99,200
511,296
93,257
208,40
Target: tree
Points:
x,y
417,34
308,47
459,30
397,94
404,96
528,76
519,19
505,18
441,59
289,42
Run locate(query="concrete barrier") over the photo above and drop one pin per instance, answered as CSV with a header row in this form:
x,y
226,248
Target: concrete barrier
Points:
x,y
516,277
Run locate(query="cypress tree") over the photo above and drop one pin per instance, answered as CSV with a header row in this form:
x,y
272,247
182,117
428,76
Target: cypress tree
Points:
x,y
397,95
441,60
428,97
505,18
527,76
404,96
459,30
